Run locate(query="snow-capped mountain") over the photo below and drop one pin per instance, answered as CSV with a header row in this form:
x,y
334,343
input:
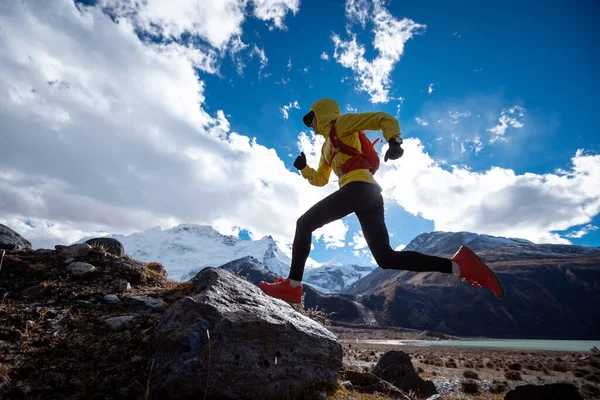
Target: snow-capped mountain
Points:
x,y
333,276
185,249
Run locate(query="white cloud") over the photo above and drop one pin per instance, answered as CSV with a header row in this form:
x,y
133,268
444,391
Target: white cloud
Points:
x,y
351,109
457,115
324,56
333,234
508,118
582,232
285,109
357,11
468,120
399,106
478,70
214,21
275,10
260,53
96,148
289,64
373,77
430,88
235,49
358,241
477,144
496,201
421,122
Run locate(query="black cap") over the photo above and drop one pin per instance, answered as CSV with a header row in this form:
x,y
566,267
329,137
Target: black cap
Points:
x,y
308,118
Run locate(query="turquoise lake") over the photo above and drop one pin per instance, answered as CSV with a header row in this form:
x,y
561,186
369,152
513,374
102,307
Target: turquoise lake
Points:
x,y
509,344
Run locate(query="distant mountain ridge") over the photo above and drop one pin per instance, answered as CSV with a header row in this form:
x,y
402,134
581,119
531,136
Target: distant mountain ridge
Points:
x,y
552,291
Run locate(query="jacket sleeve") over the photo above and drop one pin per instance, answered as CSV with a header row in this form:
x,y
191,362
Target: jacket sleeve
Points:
x,y
347,124
319,177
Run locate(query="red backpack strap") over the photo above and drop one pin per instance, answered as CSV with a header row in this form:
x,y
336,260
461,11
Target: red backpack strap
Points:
x,y
337,143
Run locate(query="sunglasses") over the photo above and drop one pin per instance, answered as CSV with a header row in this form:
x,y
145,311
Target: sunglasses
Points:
x,y
309,118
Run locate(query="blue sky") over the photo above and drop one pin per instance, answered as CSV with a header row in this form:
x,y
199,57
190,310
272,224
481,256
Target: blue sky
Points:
x,y
184,119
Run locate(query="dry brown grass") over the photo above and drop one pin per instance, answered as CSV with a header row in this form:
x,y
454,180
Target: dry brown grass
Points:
x,y
36,267
157,268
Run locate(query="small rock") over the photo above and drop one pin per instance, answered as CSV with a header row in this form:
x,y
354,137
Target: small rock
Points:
x,y
33,291
111,298
52,301
347,385
80,268
124,286
69,260
77,250
85,304
118,323
140,303
322,396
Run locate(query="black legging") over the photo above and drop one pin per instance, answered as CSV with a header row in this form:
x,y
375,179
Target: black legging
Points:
x,y
366,201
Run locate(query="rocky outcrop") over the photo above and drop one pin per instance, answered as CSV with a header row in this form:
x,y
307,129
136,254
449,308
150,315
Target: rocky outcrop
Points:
x,y
554,391
250,269
11,240
76,250
337,307
231,341
110,245
397,368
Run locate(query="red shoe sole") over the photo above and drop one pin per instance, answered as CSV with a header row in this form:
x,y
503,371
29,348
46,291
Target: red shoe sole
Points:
x,y
498,281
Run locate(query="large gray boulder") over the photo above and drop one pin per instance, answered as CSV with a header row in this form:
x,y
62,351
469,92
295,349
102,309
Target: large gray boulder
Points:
x,y
234,342
11,240
110,245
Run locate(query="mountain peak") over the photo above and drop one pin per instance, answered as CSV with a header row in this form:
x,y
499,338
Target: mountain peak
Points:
x,y
449,242
332,263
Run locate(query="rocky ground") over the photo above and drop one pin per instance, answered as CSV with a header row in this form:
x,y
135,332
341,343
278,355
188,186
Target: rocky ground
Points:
x,y
68,334
486,374
76,323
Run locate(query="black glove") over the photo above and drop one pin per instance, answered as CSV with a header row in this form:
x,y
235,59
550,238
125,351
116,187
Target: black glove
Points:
x,y
300,162
395,150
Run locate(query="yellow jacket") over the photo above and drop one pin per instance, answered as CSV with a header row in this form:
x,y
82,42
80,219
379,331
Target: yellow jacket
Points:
x,y
347,127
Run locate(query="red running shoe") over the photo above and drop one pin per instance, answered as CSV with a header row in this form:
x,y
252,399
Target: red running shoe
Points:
x,y
476,273
281,289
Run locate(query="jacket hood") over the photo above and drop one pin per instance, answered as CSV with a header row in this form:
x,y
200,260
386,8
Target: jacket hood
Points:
x,y
326,110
